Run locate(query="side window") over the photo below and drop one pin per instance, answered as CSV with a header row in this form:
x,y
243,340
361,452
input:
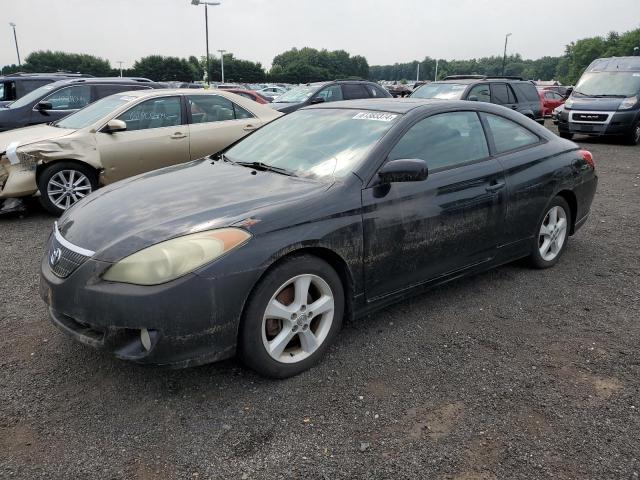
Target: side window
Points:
x,y
70,98
511,95
373,91
499,94
102,91
214,108
549,95
508,135
154,113
481,92
353,91
445,140
331,94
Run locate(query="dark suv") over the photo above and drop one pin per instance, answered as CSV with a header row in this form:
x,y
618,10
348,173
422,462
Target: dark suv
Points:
x,y
58,99
17,85
322,92
511,92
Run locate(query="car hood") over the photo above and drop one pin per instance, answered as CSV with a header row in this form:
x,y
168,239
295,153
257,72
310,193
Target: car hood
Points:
x,y
136,213
28,135
595,104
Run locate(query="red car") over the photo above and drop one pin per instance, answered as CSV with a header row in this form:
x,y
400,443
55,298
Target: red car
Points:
x,y
255,96
550,100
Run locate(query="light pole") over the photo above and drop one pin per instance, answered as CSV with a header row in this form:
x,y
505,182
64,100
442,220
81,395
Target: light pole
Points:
x,y
435,79
222,52
120,62
15,37
206,27
504,57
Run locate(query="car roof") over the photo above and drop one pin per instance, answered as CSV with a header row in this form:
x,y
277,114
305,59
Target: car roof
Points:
x,y
391,105
467,81
103,80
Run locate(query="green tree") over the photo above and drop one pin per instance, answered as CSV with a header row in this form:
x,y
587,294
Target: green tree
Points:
x,y
48,62
159,68
310,65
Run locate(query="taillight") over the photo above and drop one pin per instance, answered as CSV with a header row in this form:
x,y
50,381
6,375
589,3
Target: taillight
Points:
x,y
588,157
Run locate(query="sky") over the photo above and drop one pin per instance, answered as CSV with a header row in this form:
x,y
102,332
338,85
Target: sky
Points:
x,y
384,31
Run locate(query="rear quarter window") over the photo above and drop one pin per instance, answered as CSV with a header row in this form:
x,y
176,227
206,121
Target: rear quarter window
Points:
x,y
526,92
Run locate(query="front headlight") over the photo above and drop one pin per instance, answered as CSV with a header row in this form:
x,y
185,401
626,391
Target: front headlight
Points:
x,y
628,103
174,258
568,103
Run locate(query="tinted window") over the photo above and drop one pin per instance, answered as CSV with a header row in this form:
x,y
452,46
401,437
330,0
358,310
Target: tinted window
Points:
x,y
512,97
154,113
526,90
445,91
354,91
508,135
444,140
499,93
481,92
26,86
214,108
70,98
106,90
375,91
331,94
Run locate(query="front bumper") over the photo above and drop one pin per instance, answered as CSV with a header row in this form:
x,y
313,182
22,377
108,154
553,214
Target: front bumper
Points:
x,y
191,321
17,180
616,124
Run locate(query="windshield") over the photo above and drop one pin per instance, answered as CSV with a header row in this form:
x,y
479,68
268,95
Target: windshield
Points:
x,y
296,95
31,97
625,84
445,91
93,112
315,143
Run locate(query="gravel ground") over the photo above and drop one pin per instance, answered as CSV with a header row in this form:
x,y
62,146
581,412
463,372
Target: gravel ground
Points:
x,y
513,374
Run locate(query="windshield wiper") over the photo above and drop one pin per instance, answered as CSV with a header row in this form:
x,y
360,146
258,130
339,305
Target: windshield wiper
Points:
x,y
265,167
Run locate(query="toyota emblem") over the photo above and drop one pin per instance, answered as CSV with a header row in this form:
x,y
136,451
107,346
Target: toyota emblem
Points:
x,y
54,258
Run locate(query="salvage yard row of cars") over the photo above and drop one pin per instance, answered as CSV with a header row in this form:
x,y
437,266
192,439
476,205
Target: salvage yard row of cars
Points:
x,y
265,231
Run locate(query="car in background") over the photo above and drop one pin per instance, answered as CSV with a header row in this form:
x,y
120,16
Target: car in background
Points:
x,y
605,101
16,85
250,94
272,91
324,92
511,92
550,101
121,136
555,115
399,90
56,100
563,90
325,214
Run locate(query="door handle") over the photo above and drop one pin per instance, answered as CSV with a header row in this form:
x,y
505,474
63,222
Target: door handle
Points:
x,y
495,187
249,128
178,135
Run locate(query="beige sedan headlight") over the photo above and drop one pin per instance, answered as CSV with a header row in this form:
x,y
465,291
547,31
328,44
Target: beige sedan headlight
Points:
x,y
174,258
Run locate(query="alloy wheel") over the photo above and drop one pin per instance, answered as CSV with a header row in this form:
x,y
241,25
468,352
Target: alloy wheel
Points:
x,y
553,233
66,187
298,318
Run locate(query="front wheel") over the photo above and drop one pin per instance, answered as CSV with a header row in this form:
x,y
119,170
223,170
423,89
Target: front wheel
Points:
x,y
292,317
62,184
552,234
634,136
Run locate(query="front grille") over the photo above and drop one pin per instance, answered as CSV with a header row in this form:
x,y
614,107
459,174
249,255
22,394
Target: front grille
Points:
x,y
590,117
64,260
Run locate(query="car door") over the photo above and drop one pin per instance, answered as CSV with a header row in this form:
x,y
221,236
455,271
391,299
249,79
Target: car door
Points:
x,y
529,185
156,136
64,101
418,231
215,122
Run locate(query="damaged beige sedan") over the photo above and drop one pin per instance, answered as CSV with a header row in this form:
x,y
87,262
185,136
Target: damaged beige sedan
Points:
x,y
118,137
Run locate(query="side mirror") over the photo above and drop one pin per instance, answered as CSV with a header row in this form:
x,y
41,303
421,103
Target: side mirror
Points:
x,y
317,100
114,126
473,98
568,93
406,170
42,106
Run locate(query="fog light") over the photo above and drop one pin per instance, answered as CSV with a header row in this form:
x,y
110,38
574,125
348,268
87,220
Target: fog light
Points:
x,y
145,339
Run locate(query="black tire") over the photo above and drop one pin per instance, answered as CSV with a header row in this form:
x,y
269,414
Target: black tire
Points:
x,y
633,138
52,170
536,257
567,136
251,347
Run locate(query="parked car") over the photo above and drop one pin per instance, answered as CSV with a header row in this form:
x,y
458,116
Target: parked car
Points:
x,y
511,92
16,85
121,136
330,212
605,101
58,99
399,90
550,100
250,94
272,91
563,90
324,92
555,115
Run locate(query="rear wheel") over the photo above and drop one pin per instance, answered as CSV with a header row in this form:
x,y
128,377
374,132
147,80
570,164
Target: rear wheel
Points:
x,y
292,317
62,184
552,234
633,137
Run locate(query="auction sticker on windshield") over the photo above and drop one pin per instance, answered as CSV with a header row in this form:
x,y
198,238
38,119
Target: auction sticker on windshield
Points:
x,y
377,116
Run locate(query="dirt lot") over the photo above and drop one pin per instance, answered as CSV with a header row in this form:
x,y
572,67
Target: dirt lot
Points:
x,y
513,374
